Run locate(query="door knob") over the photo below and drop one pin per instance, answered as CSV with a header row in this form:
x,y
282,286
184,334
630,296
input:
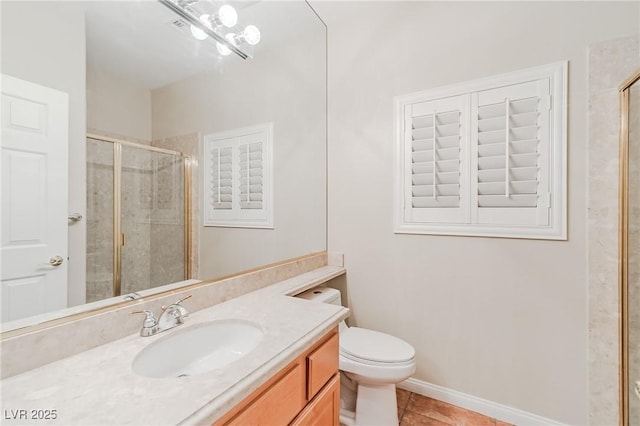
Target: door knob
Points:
x,y
56,261
75,217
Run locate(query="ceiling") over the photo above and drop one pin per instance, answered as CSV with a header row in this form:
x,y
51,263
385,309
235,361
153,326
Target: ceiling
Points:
x,y
139,42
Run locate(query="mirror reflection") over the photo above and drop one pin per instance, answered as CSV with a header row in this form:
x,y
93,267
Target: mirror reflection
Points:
x,y
138,155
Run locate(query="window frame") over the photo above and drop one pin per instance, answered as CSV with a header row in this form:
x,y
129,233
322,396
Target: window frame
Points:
x,y
557,228
236,217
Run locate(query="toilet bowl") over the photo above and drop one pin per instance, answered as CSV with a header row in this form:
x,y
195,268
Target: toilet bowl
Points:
x,y
371,363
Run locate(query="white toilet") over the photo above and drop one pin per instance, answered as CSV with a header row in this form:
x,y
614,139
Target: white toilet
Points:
x,y
371,363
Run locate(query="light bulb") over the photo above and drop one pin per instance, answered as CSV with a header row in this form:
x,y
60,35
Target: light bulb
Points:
x,y
251,35
198,33
227,16
224,50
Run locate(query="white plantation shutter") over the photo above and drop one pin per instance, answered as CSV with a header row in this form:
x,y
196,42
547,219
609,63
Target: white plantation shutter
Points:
x,y
238,178
251,176
487,157
220,179
511,156
435,155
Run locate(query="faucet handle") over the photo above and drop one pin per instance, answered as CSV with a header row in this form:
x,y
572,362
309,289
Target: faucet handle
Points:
x,y
179,302
183,299
149,320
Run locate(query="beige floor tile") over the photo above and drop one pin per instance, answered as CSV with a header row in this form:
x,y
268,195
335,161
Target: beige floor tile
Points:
x,y
446,413
402,397
415,419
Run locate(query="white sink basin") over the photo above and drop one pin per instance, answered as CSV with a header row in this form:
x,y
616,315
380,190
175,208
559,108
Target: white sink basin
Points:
x,y
198,348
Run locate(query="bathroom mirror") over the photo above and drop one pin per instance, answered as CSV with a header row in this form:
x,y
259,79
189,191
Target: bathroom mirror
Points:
x,y
134,73
630,250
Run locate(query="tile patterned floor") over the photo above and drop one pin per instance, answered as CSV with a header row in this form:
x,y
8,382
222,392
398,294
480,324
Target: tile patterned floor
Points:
x,y
418,410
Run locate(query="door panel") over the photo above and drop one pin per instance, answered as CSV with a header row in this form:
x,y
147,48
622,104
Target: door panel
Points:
x,y
34,198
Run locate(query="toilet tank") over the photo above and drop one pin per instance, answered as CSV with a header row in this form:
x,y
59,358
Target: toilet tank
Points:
x,y
323,295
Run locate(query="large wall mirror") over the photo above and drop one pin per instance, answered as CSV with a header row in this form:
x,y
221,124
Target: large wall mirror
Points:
x,y
630,251
148,138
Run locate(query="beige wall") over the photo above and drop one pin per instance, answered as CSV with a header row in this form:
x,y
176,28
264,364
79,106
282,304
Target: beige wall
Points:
x,y
501,319
283,85
44,43
116,108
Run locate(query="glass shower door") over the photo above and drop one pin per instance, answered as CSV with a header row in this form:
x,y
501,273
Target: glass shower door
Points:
x,y
152,224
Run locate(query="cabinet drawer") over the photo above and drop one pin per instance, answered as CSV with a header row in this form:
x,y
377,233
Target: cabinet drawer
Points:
x,y
322,364
324,410
279,404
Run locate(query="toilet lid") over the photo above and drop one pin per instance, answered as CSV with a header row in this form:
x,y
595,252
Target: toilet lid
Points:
x,y
374,346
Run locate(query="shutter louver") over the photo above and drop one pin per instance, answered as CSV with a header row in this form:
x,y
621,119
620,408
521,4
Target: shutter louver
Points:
x,y
251,176
435,160
221,178
508,153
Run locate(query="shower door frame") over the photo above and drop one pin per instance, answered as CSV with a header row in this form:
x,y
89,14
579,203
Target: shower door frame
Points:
x,y
118,239
623,261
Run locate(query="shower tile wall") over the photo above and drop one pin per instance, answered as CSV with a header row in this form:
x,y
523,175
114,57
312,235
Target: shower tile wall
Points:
x,y
136,204
99,220
610,64
167,221
190,145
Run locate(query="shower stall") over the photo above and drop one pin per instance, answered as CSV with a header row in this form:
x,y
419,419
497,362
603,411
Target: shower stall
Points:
x,y
138,217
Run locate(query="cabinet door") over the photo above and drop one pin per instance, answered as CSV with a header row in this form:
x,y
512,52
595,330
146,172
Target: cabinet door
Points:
x,y
279,404
324,410
322,364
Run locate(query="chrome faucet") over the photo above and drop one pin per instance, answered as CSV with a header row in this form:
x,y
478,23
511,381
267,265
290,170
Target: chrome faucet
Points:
x,y
171,316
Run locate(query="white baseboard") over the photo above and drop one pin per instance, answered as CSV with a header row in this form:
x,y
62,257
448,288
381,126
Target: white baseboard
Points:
x,y
479,405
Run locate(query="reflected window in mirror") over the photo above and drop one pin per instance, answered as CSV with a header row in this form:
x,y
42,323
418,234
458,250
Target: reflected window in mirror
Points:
x,y
238,177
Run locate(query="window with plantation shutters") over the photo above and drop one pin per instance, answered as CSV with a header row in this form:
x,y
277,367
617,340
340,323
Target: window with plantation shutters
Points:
x,y
238,178
436,132
485,158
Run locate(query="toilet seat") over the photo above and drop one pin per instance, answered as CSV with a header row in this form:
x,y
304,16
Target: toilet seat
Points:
x,y
374,348
377,363
376,374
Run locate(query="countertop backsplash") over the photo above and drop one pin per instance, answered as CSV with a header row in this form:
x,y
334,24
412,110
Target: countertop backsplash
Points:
x,y
26,351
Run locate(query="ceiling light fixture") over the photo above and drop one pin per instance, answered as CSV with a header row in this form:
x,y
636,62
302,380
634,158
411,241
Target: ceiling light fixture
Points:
x,y
205,23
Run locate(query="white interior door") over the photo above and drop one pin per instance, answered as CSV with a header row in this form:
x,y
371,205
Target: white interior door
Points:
x,y
34,198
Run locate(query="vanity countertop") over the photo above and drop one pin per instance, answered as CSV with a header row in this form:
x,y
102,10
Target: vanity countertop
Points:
x,y
98,386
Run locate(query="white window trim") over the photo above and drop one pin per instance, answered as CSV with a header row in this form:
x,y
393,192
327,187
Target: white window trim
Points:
x,y
235,218
557,228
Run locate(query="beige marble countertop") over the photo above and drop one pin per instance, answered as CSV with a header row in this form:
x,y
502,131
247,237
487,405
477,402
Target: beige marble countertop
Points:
x,y
98,387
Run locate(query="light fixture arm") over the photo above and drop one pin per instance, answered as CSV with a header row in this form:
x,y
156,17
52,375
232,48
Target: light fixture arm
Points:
x,y
200,25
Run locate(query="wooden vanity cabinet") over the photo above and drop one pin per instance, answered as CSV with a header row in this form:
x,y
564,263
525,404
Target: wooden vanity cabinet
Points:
x,y
305,392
